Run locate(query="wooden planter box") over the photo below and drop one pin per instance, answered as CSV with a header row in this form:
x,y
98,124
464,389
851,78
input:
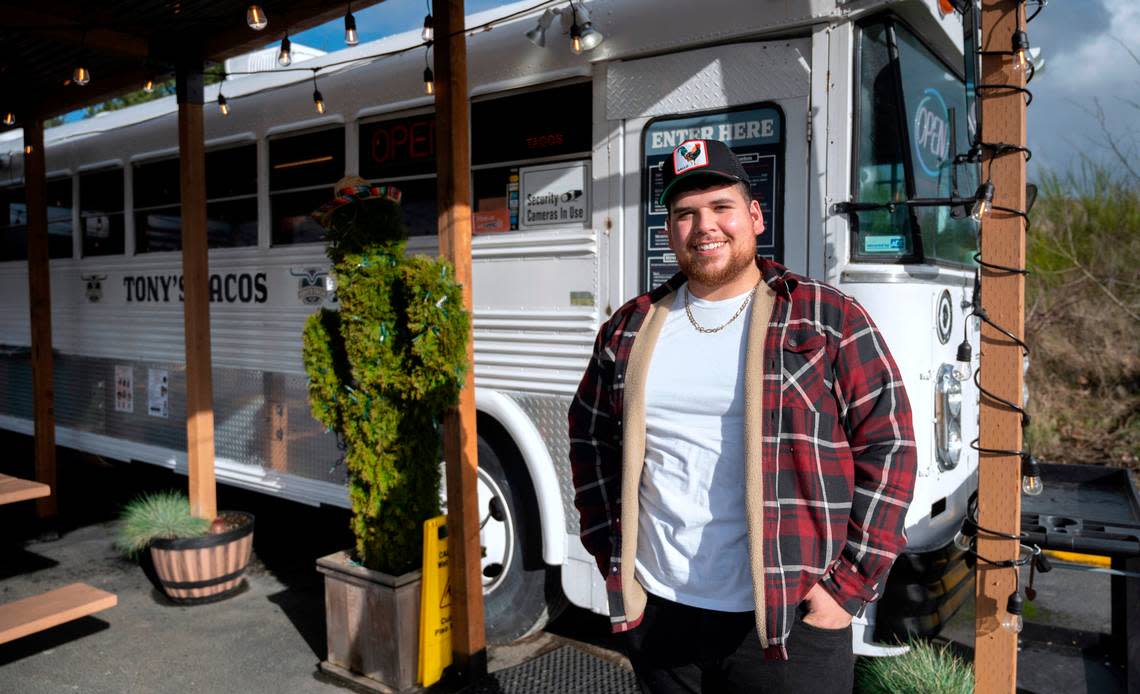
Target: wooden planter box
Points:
x,y
372,620
203,569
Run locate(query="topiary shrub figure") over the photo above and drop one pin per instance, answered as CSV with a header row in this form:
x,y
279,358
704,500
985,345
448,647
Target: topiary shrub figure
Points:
x,y
383,370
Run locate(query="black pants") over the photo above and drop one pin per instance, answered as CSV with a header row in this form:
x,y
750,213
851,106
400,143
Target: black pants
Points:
x,y
678,648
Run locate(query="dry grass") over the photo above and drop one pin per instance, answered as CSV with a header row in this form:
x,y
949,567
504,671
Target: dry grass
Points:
x,y
1083,320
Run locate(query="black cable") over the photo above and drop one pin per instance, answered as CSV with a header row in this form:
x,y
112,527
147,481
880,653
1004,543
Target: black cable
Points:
x,y
1008,87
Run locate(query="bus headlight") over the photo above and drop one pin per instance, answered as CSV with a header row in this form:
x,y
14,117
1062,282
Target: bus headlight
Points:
x,y
948,417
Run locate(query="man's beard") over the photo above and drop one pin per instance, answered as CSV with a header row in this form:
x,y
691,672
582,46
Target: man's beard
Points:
x,y
697,269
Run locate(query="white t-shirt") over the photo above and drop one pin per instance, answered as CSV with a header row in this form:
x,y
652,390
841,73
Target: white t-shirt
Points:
x,y
692,541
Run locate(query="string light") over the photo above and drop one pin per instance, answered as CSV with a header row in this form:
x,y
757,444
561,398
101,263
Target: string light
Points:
x,y
575,38
351,38
429,78
1013,608
964,538
148,84
1031,476
81,76
318,100
255,18
428,34
983,199
9,118
1020,49
223,106
285,55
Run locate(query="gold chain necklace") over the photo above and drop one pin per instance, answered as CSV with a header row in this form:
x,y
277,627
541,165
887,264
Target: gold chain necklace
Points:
x,y
702,329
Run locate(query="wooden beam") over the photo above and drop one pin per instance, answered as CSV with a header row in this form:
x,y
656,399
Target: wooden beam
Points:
x,y
39,303
196,282
1003,297
51,26
460,442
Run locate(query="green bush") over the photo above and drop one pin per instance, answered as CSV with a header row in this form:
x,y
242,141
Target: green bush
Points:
x,y
925,669
161,515
1083,318
382,371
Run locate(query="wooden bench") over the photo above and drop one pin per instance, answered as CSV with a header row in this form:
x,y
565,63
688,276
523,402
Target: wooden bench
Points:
x,y
13,489
27,616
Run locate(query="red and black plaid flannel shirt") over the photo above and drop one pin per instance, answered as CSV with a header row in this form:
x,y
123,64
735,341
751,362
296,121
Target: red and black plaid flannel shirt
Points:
x,y
839,456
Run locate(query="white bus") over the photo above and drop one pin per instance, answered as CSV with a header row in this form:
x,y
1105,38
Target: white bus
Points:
x,y
824,101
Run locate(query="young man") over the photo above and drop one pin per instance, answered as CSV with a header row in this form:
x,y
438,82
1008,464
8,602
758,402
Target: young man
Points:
x,y
743,456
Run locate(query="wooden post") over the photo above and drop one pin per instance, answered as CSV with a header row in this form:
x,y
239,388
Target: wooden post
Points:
x,y
468,639
1003,297
39,302
196,291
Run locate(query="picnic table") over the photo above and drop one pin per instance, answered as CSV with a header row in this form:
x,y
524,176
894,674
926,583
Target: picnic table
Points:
x,y
28,615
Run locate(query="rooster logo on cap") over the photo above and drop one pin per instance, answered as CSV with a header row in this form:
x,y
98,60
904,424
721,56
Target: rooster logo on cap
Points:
x,y
690,154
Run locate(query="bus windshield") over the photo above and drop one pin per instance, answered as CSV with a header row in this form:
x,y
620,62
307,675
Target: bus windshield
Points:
x,y
913,121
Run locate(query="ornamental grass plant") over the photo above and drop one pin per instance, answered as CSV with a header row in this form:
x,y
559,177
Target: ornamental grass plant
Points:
x,y
926,668
383,370
154,516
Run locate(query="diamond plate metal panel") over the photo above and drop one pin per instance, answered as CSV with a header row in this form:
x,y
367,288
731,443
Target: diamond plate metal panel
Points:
x,y
549,415
709,78
260,418
567,670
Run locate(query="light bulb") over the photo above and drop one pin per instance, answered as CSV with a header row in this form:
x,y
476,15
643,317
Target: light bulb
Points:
x,y
428,34
963,539
9,118
429,82
148,85
1012,620
81,76
350,36
1031,476
319,101
285,55
223,106
576,39
983,198
255,18
1020,50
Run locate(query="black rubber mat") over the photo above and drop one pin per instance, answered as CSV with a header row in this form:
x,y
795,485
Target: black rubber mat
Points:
x,y
562,671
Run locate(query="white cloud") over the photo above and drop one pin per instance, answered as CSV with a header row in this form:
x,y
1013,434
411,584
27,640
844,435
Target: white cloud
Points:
x,y
1099,64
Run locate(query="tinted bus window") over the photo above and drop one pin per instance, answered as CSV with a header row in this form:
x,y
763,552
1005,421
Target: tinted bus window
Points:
x,y
13,224
158,212
59,217
302,172
101,212
231,197
532,125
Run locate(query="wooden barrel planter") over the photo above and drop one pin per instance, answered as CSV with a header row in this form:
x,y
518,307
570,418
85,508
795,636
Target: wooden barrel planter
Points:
x,y
204,569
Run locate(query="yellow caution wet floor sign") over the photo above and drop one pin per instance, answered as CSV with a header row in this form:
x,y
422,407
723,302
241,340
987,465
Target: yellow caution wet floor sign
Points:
x,y
435,604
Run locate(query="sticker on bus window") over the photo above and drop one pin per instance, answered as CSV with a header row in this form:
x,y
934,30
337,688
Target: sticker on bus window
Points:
x,y
884,244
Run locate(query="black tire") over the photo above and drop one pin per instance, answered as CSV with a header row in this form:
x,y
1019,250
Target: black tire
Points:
x,y
526,594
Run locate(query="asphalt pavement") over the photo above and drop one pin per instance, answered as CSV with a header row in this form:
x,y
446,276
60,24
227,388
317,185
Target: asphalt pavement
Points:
x,y
271,636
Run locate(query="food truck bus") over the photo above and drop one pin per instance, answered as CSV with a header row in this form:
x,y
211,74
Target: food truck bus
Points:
x,y
824,102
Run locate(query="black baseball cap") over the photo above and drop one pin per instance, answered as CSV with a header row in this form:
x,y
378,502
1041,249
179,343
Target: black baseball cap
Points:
x,y
700,158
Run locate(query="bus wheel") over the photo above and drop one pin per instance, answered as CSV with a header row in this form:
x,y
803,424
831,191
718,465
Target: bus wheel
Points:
x,y
520,592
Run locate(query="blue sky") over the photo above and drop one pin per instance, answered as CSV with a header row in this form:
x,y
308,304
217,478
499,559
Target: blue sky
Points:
x,y
379,20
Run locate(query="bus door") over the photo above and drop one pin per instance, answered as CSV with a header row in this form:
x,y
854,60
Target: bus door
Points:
x,y
752,96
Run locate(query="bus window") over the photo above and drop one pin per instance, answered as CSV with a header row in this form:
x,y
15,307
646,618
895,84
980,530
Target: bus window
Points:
x,y
14,221
101,212
13,224
937,111
302,172
912,121
528,156
401,152
231,196
59,217
880,235
157,208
